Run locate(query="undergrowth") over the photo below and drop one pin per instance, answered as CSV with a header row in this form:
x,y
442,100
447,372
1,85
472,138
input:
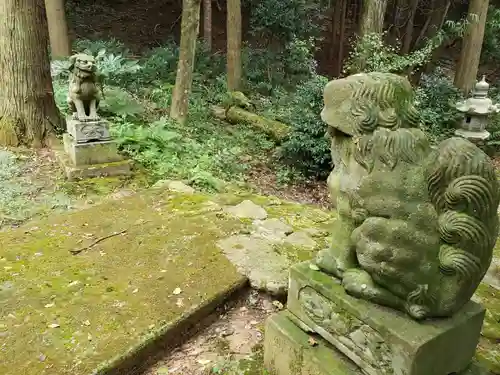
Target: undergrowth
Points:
x,y
282,84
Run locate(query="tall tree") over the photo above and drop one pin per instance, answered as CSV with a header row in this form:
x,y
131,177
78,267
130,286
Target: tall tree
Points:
x,y
468,65
184,78
207,23
234,69
58,28
412,6
28,112
372,16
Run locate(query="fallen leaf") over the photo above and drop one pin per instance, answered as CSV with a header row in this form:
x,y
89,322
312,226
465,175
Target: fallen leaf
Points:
x,y
177,291
135,290
313,266
278,305
312,341
162,370
180,302
86,322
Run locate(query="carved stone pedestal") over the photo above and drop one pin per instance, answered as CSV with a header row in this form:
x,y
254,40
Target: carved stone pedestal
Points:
x,y
288,350
380,341
92,159
83,132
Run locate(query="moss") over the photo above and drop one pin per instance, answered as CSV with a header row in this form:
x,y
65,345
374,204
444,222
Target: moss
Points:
x,y
488,353
299,216
103,185
112,296
295,254
496,249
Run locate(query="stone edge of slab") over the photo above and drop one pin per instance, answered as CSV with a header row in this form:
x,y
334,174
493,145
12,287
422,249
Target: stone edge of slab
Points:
x,y
170,335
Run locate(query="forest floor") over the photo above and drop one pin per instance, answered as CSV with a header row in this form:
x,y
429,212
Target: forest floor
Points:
x,y
33,184
232,345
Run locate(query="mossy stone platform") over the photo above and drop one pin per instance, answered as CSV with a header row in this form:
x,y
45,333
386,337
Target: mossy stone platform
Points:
x,y
288,350
153,267
381,340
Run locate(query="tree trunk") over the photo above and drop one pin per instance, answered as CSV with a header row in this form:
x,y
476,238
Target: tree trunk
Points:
x,y
468,65
184,79
372,17
234,45
408,38
28,112
207,23
60,44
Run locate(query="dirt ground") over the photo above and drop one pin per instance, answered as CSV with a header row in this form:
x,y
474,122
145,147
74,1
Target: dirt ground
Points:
x,y
229,346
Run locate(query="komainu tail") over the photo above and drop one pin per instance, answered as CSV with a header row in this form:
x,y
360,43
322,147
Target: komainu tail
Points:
x,y
463,187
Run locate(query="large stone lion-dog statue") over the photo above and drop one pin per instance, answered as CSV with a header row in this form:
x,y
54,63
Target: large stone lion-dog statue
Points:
x,y
83,94
416,225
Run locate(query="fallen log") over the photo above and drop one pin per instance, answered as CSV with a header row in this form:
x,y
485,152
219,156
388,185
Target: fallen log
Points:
x,y
275,129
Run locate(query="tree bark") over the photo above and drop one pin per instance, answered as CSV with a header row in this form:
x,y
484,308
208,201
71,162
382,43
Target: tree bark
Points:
x,y
372,17
468,65
28,112
408,37
207,23
60,44
234,25
184,78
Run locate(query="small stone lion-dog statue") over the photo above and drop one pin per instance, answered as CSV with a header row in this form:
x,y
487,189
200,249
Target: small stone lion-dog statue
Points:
x,y
416,224
83,94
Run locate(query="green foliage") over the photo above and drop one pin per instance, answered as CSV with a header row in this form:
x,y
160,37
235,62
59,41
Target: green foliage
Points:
x,y
285,20
202,156
436,98
306,149
490,51
267,70
372,54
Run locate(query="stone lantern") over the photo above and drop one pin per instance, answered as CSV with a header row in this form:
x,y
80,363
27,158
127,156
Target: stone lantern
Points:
x,y
476,111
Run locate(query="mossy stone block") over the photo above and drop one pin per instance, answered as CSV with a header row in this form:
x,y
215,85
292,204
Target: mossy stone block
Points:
x,y
90,153
155,274
381,340
72,172
288,350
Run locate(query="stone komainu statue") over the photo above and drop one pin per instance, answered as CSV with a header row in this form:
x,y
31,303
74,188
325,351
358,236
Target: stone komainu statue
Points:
x,y
83,93
416,225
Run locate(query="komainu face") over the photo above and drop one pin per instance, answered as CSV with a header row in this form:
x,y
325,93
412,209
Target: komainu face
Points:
x,y
83,62
417,225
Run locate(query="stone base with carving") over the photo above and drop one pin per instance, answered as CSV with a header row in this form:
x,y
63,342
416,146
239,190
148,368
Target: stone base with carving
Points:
x,y
379,340
89,131
288,350
92,159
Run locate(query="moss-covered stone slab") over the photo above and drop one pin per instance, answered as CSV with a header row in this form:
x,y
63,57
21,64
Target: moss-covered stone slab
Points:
x,y
264,254
378,339
288,350
147,264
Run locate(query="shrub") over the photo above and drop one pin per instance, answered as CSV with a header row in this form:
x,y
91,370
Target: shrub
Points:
x,y
435,99
266,70
307,148
284,20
